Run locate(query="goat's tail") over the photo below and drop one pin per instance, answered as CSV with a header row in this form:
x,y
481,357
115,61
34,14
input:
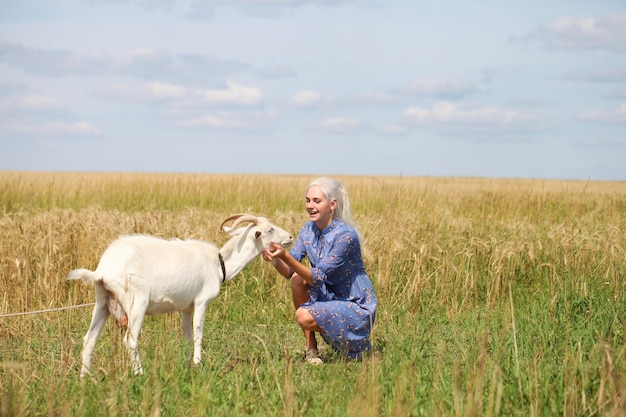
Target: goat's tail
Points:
x,y
88,277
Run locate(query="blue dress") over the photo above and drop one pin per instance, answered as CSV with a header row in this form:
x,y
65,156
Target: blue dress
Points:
x,y
343,301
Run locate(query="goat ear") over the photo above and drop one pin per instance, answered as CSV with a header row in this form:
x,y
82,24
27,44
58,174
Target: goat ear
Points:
x,y
257,234
233,232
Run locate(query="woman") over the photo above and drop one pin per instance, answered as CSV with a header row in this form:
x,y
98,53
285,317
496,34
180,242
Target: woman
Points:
x,y
334,296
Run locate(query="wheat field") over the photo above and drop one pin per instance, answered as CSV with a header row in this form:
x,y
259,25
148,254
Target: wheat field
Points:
x,y
497,297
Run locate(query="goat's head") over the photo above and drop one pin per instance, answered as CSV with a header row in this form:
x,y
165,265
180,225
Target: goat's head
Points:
x,y
264,231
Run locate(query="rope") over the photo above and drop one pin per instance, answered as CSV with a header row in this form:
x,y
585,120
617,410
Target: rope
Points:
x,y
26,313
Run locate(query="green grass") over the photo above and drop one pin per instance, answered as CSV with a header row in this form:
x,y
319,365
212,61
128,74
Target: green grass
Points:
x,y
496,298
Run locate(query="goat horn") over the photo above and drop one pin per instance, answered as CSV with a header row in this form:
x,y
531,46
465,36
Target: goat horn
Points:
x,y
234,216
246,218
240,218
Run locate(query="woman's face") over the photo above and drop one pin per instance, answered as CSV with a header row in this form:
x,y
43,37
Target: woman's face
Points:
x,y
318,207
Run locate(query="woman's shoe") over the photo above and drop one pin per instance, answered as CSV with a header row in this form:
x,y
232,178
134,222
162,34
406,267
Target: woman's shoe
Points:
x,y
312,357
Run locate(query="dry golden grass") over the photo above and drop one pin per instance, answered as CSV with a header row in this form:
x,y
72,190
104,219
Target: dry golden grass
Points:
x,y
497,297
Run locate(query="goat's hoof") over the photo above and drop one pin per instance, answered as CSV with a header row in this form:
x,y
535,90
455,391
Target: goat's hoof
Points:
x,y
84,373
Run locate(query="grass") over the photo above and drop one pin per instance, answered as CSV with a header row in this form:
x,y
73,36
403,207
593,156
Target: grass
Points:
x,y
496,298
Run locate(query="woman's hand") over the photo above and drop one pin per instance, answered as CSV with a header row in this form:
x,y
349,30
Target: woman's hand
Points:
x,y
275,254
285,263
274,251
266,255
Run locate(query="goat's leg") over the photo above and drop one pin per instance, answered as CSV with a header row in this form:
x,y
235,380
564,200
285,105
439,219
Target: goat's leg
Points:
x,y
186,325
131,339
98,318
187,332
198,328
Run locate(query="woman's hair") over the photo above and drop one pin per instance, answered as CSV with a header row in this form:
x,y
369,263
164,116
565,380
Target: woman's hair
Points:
x,y
335,190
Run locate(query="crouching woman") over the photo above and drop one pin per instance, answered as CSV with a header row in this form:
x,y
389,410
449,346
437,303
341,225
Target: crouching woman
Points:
x,y
334,296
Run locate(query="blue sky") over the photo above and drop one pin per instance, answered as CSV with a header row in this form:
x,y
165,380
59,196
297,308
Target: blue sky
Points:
x,y
515,89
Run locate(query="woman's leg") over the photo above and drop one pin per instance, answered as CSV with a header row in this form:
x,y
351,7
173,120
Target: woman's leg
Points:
x,y
300,293
306,321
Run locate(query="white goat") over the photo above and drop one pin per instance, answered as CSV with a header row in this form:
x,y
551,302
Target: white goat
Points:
x,y
139,275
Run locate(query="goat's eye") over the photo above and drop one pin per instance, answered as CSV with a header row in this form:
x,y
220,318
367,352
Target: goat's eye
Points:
x,y
271,230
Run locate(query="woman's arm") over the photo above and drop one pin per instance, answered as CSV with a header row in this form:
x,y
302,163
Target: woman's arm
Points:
x,y
284,260
279,264
343,247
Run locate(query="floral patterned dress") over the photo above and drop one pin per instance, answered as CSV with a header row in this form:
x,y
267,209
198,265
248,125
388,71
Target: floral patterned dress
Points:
x,y
343,301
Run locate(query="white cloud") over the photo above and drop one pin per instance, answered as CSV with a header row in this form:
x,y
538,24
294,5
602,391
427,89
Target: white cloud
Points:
x,y
229,120
55,128
144,63
149,54
77,128
152,63
452,118
617,115
32,102
165,90
53,62
311,99
22,112
593,142
42,115
450,112
216,121
148,92
306,98
180,96
605,32
266,8
235,94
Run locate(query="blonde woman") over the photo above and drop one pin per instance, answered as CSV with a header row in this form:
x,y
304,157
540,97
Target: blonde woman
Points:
x,y
334,296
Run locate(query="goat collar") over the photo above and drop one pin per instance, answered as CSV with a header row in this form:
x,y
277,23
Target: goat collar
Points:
x,y
223,267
